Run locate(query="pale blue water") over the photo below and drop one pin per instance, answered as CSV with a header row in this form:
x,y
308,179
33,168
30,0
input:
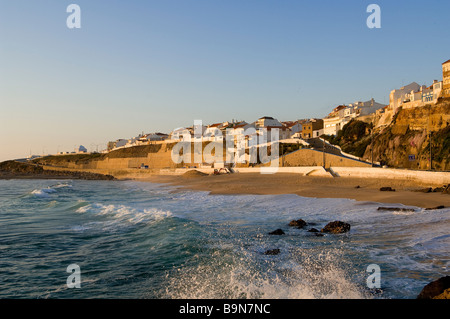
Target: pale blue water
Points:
x,y
142,240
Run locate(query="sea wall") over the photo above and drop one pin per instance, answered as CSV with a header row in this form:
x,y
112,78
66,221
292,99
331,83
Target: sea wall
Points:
x,y
425,177
302,170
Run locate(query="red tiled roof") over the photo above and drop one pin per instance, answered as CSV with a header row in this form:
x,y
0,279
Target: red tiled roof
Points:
x,y
446,62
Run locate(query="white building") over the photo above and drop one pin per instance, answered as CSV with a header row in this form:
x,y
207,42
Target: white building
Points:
x,y
332,125
295,128
181,132
267,121
264,126
120,143
366,108
398,96
423,96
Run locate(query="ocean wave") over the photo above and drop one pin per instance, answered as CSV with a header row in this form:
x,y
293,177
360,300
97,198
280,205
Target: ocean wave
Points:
x,y
63,185
245,275
123,213
44,192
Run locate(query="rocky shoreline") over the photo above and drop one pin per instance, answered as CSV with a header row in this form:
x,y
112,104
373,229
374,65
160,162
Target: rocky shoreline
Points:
x,y
20,170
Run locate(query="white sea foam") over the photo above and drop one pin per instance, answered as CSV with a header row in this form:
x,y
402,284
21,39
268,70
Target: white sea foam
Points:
x,y
44,192
63,185
123,213
235,276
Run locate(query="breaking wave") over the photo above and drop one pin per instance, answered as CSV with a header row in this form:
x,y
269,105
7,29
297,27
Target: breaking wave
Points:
x,y
44,192
123,213
297,275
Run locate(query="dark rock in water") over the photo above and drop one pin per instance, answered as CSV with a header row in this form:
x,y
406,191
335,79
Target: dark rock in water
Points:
x,y
438,189
313,230
277,232
319,234
358,186
336,227
437,207
396,209
300,223
272,252
387,189
435,288
424,190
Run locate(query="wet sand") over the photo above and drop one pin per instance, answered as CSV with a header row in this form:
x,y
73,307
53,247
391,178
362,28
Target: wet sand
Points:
x,y
309,186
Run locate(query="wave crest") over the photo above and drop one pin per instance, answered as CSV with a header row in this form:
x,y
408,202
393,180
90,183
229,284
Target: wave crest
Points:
x,y
126,213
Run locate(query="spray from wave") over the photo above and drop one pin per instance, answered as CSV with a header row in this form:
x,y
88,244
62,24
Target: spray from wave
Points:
x,y
299,274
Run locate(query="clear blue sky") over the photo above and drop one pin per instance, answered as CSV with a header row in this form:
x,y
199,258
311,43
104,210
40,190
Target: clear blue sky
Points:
x,y
156,65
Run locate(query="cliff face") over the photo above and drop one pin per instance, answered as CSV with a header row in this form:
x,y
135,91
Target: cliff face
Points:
x,y
405,142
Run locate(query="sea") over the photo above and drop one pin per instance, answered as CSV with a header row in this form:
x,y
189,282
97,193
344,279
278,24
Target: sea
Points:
x,y
139,240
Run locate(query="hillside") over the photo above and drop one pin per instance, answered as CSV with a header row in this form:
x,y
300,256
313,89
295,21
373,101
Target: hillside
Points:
x,y
17,170
405,141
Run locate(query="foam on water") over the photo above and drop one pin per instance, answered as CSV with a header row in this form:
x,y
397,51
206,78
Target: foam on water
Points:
x,y
124,213
146,241
246,275
43,192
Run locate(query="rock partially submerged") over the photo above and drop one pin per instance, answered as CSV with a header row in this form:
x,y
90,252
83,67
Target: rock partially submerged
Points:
x,y
396,209
300,223
387,189
437,207
272,252
277,232
336,227
445,189
437,289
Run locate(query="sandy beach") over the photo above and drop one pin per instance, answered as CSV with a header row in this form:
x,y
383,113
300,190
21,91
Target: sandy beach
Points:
x,y
360,189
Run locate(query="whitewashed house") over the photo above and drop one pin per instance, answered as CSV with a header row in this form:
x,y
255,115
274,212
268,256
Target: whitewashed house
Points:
x,y
398,96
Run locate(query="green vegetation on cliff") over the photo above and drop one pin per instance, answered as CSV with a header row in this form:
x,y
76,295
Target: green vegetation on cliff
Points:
x,y
353,138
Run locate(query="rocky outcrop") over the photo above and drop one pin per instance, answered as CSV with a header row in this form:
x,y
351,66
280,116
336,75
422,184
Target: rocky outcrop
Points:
x,y
336,227
396,209
272,252
437,207
436,289
300,223
445,189
408,134
277,232
444,295
20,170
